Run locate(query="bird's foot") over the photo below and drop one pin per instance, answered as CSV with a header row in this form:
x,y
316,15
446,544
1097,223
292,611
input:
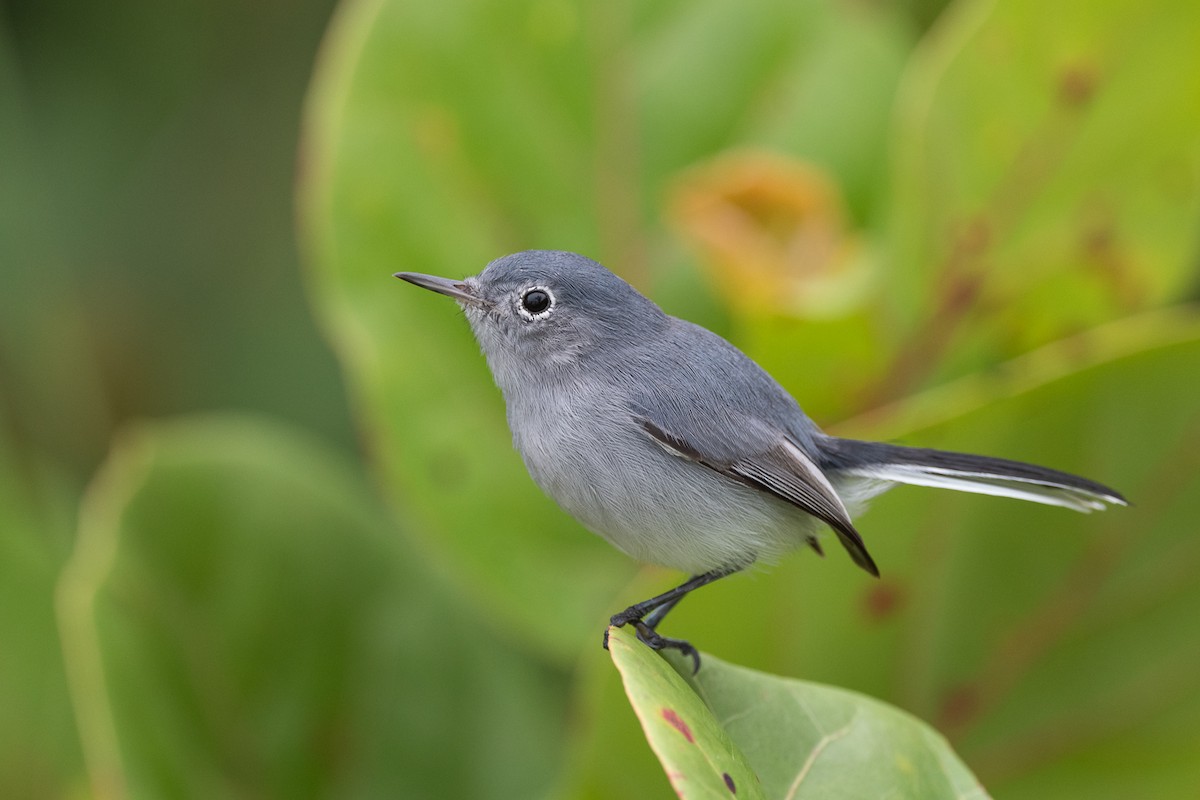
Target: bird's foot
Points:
x,y
631,614
656,641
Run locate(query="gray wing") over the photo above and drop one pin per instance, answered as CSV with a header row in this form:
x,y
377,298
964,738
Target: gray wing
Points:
x,y
780,468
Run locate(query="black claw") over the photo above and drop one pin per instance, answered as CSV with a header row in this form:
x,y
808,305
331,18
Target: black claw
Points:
x,y
657,641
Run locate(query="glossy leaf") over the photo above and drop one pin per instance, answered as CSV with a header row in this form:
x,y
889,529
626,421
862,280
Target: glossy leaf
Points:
x,y
724,730
807,740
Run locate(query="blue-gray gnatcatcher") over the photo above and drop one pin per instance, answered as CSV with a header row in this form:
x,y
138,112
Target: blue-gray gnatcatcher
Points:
x,y
673,445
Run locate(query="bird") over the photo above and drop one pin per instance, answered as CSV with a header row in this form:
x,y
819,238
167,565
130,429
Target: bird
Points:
x,y
676,447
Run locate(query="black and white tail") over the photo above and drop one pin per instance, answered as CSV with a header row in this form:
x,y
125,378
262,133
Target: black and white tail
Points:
x,y
920,466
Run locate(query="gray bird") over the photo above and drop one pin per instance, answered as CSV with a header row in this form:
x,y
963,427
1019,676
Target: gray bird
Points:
x,y
673,445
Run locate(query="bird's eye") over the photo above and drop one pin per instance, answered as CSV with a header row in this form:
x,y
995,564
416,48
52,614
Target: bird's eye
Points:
x,y
536,303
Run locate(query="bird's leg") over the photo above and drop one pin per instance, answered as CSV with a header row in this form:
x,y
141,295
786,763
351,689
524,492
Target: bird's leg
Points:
x,y
648,614
638,611
655,617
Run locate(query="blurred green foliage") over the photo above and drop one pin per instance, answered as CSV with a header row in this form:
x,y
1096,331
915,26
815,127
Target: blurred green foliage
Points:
x,y
240,619
970,227
146,232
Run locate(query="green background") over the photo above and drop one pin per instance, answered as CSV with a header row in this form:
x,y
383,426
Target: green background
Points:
x,y
262,532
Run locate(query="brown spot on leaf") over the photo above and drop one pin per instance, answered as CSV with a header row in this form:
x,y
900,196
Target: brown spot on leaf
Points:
x,y
1107,259
729,782
974,238
678,724
1077,85
959,707
882,600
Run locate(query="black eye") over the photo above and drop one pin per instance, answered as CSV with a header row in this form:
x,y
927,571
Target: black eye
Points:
x,y
536,301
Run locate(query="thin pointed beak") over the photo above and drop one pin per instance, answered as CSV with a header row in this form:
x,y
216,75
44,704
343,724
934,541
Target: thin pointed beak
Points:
x,y
456,289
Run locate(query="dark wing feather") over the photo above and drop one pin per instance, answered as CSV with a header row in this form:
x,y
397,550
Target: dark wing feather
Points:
x,y
784,471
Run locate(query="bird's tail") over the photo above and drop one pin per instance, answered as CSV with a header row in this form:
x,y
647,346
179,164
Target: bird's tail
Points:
x,y
922,466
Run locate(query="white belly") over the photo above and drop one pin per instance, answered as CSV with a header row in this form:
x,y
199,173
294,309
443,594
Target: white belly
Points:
x,y
657,508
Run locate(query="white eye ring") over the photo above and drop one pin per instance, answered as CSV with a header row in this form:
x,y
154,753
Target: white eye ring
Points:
x,y
532,315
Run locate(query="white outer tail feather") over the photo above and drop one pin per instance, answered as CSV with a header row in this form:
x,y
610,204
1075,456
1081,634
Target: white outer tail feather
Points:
x,y
999,485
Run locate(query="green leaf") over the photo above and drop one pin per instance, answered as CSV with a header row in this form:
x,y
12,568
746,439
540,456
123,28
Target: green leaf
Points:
x,y
799,739
699,758
440,136
808,740
240,620
1047,179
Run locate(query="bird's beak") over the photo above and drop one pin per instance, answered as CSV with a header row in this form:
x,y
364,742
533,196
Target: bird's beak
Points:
x,y
457,289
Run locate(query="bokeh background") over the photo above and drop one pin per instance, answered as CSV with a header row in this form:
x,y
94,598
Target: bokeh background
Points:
x,y
262,532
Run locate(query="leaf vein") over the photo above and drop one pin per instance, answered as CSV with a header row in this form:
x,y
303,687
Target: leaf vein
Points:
x,y
817,750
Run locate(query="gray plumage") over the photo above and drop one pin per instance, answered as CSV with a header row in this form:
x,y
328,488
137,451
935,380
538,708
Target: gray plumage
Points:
x,y
673,445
